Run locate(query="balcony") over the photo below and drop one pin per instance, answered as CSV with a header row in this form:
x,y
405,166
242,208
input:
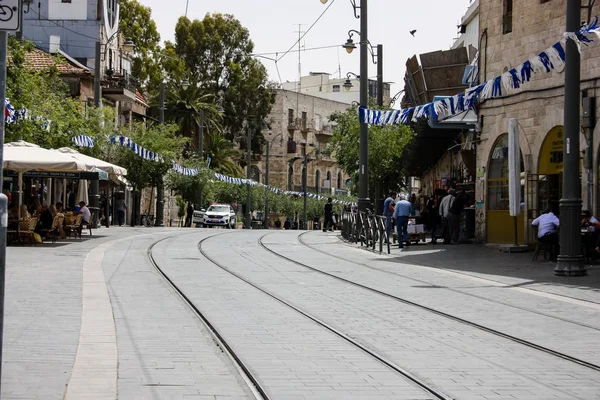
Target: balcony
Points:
x,y
119,87
306,126
325,132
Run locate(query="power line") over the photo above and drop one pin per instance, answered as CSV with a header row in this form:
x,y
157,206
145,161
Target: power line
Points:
x,y
293,51
40,18
309,29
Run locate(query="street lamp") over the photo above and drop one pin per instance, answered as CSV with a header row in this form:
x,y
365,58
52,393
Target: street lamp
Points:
x,y
304,182
348,84
269,143
395,98
127,47
349,45
363,177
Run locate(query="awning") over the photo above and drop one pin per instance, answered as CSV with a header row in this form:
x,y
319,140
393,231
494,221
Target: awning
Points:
x,y
22,156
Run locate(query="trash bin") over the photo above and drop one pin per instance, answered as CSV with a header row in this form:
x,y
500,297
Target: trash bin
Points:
x,y
256,224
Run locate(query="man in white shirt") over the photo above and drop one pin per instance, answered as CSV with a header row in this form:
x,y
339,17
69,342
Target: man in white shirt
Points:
x,y
547,224
445,205
85,212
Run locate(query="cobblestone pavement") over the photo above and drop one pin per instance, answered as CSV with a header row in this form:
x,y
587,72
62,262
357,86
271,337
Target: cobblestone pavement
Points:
x,y
164,352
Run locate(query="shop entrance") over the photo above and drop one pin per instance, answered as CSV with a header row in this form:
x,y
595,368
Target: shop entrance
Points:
x,y
500,227
550,171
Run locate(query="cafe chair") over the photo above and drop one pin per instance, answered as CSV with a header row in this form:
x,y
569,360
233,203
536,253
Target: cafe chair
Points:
x,y
75,227
539,246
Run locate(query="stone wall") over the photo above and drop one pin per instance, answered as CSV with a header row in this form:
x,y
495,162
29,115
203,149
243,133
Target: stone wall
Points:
x,y
538,105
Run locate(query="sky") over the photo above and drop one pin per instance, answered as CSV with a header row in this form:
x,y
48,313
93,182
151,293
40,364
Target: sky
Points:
x,y
273,26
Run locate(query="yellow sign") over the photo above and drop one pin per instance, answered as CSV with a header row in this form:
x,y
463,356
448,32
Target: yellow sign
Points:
x,y
551,153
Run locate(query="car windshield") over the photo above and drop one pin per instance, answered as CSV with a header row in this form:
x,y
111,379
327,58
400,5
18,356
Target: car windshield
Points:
x,y
218,208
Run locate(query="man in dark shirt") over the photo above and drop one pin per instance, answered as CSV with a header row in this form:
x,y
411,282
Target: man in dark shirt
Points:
x,y
189,216
388,211
454,220
328,215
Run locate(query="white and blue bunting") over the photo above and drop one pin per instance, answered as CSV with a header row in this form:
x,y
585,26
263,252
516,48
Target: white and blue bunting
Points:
x,y
509,82
150,156
83,141
12,116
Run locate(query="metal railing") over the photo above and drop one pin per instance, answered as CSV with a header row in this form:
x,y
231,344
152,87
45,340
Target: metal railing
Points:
x,y
366,228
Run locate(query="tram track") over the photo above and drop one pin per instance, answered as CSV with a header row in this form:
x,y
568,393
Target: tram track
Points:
x,y
428,388
432,310
258,391
584,325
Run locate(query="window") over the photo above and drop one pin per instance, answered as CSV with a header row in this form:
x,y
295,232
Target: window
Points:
x,y
290,117
507,16
339,180
112,12
317,181
336,88
304,119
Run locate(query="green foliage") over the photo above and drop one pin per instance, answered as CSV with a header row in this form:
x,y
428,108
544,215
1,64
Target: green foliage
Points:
x,y
160,139
215,55
181,206
136,22
386,145
44,94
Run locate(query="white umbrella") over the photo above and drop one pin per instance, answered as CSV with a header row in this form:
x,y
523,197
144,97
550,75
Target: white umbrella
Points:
x,y
22,156
113,170
82,192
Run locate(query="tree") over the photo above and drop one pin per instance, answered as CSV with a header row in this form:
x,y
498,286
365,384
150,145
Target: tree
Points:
x,y
386,145
215,54
136,22
48,101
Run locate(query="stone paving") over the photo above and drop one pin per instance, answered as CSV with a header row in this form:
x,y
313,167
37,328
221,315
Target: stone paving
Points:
x,y
164,352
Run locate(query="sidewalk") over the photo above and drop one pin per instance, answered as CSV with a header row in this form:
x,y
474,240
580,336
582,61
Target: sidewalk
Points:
x,y
514,269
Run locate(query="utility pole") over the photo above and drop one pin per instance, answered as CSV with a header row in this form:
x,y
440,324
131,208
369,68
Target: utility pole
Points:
x,y
160,189
570,260
304,184
363,176
201,148
5,26
95,185
248,219
380,75
266,221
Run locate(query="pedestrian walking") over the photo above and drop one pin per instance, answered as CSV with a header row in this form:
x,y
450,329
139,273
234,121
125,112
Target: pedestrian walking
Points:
x,y
328,215
121,209
189,215
402,213
388,212
445,214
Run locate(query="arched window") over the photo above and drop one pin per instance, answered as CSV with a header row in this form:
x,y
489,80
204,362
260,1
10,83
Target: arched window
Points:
x,y
290,178
339,180
317,181
255,173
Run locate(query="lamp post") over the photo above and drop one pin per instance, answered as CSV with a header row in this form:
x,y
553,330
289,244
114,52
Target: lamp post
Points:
x,y
304,185
269,143
363,159
570,260
377,58
127,46
248,216
160,190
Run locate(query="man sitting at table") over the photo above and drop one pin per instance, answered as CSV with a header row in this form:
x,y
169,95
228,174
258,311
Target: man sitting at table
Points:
x,y
547,224
85,212
588,220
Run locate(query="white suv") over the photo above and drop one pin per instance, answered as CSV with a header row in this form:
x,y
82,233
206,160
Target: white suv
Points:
x,y
220,215
198,217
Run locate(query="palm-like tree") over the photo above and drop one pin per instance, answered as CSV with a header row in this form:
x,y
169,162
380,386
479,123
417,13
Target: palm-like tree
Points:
x,y
223,154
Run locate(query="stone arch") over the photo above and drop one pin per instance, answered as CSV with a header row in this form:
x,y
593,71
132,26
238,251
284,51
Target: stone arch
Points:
x,y
317,181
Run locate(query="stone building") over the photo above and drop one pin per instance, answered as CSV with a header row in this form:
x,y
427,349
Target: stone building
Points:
x,y
512,32
299,125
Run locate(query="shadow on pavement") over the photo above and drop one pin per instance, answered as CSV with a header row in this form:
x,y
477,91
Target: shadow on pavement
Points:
x,y
489,260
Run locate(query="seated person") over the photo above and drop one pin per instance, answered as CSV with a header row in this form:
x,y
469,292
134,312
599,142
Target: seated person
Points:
x,y
85,212
547,224
59,207
46,219
587,220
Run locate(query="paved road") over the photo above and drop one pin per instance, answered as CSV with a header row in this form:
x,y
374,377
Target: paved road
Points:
x,y
103,293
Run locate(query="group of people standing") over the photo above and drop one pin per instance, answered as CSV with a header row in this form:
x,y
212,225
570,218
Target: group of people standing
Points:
x,y
439,213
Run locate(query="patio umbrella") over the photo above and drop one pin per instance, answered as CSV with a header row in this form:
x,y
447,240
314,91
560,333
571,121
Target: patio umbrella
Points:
x,y
114,171
22,156
82,192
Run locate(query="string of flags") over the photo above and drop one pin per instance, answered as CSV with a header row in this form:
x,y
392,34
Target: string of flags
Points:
x,y
12,116
552,58
124,141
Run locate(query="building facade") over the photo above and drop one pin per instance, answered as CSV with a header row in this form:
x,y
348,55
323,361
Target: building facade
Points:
x,y
321,84
512,32
299,125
